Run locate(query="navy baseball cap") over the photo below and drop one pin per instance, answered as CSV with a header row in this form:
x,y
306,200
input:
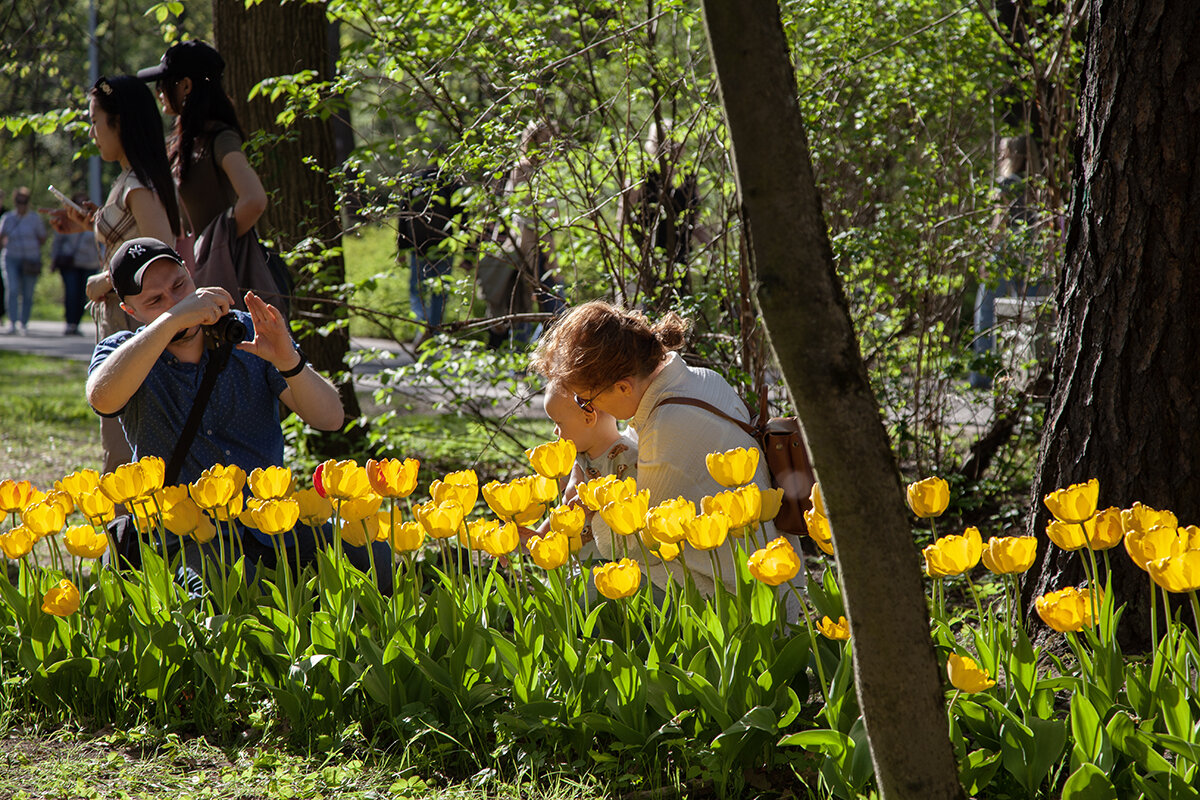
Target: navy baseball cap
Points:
x,y
190,59
129,261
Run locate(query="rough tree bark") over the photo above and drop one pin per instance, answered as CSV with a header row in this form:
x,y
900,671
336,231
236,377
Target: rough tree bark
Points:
x,y
1124,404
264,41
808,324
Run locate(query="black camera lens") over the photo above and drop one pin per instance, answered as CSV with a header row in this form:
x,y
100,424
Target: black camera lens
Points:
x,y
226,330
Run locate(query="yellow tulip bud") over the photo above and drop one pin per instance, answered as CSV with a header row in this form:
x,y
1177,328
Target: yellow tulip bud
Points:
x,y
344,480
819,530
80,483
315,510
553,459
707,531
500,540
617,579
529,517
772,502
271,483
392,477
44,519
774,564
1076,503
15,495
953,555
588,489
1008,555
627,515
665,522
457,487
1144,518
405,536
62,600
508,499
928,497
1178,573
17,543
1153,544
97,507
567,520
542,489
358,532
181,515
205,531
361,507
440,520
278,516
838,631
83,541
733,467
1107,530
214,491
60,498
615,491
1067,610
128,483
816,500
550,551
1070,535
966,675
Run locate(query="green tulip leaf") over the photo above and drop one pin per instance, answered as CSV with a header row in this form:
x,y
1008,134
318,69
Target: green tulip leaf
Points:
x,y
1091,739
832,743
1089,783
1174,709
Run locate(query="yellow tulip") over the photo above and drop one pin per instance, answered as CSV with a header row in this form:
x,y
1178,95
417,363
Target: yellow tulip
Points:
x,y
15,495
271,483
627,515
816,500
204,531
567,520
665,522
617,579
500,540
1008,555
588,489
1191,534
440,520
508,499
953,555
128,483
62,600
669,552
457,487
550,551
276,516
1106,529
361,507
357,532
60,498
772,502
181,516
819,530
928,497
44,519
733,467
615,490
774,564
97,507
542,489
344,480
1076,503
966,675
404,536
472,534
391,477
553,459
1067,610
838,631
1143,518
529,517
1153,544
79,483
231,511
315,510
1070,535
707,531
17,543
83,541
214,491
1178,573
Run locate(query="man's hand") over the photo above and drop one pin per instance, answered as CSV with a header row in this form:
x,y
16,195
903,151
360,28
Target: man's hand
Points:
x,y
203,307
272,340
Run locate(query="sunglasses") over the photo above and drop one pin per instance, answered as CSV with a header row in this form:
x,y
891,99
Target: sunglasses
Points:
x,y
586,404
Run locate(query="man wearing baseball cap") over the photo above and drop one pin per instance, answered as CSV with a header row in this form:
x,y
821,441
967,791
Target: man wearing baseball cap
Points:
x,y
149,378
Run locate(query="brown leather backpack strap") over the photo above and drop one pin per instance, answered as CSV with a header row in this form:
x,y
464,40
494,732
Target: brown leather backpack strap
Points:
x,y
750,430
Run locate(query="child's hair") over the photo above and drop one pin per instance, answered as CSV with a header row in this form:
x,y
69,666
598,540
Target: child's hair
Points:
x,y
597,344
129,104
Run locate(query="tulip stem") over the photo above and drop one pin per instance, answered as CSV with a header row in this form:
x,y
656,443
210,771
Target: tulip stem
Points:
x,y
812,638
1153,617
1195,611
975,596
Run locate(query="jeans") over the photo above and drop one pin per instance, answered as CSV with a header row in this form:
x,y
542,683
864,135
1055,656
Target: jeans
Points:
x,y
20,291
422,273
74,294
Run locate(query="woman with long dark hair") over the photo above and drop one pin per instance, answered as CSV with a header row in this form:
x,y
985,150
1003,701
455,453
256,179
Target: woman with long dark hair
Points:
x,y
212,172
127,129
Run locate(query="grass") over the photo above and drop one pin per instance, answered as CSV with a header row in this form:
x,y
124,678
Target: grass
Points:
x,y
49,430
157,766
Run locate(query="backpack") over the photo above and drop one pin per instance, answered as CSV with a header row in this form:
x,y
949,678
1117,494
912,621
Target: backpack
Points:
x,y
431,211
787,458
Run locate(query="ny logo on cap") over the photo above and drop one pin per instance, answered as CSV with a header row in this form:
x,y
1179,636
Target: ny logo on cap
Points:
x,y
137,250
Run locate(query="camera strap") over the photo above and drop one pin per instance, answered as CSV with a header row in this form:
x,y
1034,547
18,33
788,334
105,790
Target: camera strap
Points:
x,y
217,360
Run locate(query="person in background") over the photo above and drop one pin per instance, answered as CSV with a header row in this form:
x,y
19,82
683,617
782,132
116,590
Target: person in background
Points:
x,y
127,129
22,235
213,174
75,257
432,213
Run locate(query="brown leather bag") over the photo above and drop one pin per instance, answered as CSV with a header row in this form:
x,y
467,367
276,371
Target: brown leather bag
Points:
x,y
787,459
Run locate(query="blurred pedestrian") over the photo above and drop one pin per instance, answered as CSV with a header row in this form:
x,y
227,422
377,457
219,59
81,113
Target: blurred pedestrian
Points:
x,y
22,235
76,258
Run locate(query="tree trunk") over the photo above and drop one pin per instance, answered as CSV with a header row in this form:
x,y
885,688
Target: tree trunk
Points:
x,y
1124,404
809,326
269,40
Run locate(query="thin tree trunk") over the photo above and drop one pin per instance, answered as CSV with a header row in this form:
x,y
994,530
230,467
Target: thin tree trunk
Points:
x,y
809,327
269,40
1124,405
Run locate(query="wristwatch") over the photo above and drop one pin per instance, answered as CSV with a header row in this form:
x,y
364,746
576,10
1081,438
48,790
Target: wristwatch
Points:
x,y
296,370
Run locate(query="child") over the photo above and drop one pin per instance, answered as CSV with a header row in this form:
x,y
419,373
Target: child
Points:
x,y
602,449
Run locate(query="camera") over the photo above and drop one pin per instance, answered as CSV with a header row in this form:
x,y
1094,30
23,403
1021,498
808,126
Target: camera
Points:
x,y
226,330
